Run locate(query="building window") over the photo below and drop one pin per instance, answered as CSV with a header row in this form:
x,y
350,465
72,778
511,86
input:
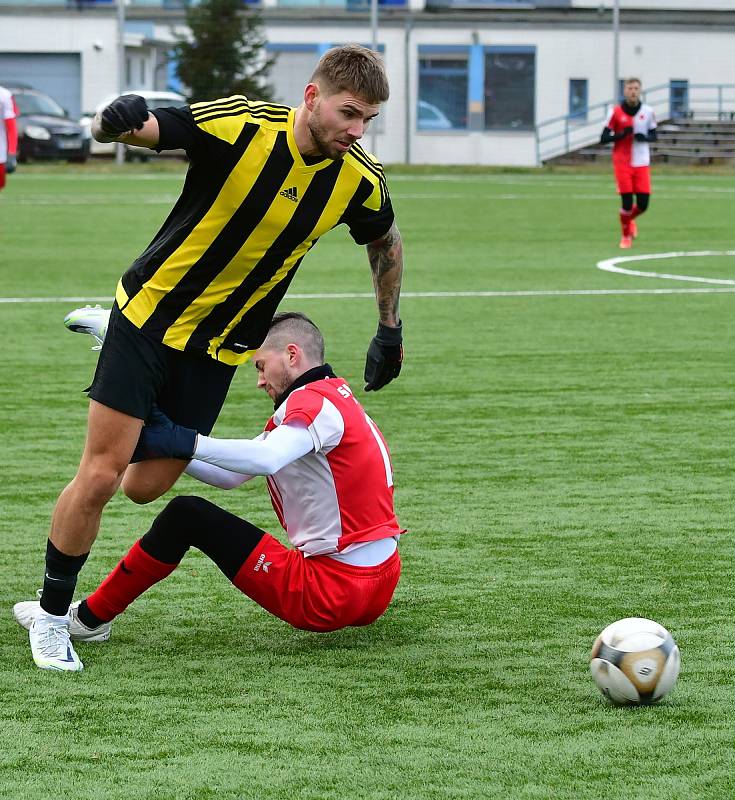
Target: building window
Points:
x,y
510,88
678,98
361,5
578,99
443,78
291,71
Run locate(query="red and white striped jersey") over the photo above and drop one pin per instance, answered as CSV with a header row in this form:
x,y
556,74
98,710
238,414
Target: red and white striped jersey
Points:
x,y
341,493
627,152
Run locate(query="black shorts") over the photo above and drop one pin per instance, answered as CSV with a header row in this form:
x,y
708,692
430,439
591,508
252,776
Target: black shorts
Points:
x,y
134,372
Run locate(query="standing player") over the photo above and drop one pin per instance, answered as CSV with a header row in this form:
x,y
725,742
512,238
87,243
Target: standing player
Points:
x,y
331,485
265,182
631,126
8,135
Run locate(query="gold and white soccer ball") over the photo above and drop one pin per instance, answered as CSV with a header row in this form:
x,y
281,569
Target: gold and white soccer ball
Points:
x,y
635,661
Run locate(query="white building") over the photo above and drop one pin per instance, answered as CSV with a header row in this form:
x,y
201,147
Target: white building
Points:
x,y
472,81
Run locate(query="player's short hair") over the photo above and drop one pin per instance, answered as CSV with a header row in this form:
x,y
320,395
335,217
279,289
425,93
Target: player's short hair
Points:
x,y
355,69
292,327
632,80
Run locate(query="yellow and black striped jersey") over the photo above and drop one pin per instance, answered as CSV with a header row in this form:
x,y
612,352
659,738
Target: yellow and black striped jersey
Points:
x,y
250,209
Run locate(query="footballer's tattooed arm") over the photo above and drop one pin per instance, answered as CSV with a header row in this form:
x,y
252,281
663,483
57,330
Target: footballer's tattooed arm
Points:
x,y
386,262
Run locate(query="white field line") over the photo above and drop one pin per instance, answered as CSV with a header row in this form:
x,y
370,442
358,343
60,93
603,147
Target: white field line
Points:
x,y
93,200
611,265
424,295
170,199
103,176
515,179
725,285
605,196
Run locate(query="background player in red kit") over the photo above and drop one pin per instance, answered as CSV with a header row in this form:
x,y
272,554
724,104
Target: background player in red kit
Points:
x,y
631,126
8,134
331,484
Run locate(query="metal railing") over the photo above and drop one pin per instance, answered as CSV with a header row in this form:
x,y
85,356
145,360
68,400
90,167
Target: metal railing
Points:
x,y
560,135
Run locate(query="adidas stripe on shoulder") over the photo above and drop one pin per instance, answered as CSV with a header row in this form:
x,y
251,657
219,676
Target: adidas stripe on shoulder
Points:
x,y
371,168
237,105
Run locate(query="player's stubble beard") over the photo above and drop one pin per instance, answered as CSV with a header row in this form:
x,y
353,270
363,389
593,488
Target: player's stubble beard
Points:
x,y
279,382
321,139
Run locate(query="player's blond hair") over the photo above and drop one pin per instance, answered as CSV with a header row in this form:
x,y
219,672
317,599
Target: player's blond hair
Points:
x,y
355,69
292,327
632,80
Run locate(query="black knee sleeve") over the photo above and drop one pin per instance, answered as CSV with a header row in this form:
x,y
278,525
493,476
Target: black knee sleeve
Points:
x,y
627,201
194,522
642,201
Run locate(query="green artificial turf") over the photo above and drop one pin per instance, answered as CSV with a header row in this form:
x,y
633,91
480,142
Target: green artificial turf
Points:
x,y
562,460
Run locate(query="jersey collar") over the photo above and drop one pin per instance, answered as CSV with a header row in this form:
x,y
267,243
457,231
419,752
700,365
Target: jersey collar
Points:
x,y
630,110
314,374
296,155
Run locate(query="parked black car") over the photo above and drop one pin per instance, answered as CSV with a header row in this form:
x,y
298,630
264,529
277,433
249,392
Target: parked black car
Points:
x,y
45,130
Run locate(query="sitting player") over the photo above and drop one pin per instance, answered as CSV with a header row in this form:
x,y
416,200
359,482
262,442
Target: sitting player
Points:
x,y
631,126
331,485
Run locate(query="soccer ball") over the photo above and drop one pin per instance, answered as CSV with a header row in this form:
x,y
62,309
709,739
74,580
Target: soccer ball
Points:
x,y
635,661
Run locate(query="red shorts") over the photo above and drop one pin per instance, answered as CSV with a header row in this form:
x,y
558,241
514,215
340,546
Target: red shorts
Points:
x,y
2,175
632,180
316,593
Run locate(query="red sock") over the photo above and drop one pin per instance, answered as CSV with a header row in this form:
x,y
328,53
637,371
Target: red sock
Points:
x,y
131,577
625,218
635,212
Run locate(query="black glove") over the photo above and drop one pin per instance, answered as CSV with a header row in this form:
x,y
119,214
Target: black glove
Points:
x,y
10,164
625,132
641,137
384,357
127,113
161,438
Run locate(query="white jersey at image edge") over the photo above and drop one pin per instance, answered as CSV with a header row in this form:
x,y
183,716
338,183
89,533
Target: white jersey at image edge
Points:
x,y
7,111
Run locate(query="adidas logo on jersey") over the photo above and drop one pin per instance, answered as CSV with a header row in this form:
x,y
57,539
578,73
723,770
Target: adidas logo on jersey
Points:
x,y
290,194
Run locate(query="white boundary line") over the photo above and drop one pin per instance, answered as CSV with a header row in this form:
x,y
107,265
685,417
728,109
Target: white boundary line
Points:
x,y
611,265
419,295
498,178
608,265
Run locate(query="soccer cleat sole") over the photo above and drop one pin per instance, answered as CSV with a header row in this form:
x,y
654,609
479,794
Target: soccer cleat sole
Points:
x,y
78,321
53,667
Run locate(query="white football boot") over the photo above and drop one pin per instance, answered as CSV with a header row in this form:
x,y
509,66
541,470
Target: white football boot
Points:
x,y
26,612
51,645
91,320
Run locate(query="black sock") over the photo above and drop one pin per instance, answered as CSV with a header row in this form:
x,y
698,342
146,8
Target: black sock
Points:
x,y
60,579
86,617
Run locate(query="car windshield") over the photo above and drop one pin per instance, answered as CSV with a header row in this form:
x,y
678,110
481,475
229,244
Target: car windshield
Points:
x,y
165,103
33,103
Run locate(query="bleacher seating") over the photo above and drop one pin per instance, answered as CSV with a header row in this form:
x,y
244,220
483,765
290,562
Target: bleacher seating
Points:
x,y
682,140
